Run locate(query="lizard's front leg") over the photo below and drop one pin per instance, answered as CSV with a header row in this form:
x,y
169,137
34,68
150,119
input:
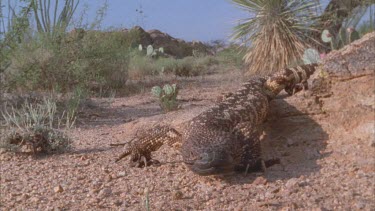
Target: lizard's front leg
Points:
x,y
251,152
151,140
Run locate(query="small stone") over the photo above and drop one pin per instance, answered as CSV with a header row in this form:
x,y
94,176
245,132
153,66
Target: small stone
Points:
x,y
105,192
360,205
260,181
268,195
94,191
2,151
25,196
372,143
121,174
290,142
291,183
35,199
177,195
105,169
58,189
109,178
274,190
118,203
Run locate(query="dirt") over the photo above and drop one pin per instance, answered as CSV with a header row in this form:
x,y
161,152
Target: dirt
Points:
x,y
324,138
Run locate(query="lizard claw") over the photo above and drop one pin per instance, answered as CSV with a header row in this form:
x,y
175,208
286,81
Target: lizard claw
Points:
x,y
144,162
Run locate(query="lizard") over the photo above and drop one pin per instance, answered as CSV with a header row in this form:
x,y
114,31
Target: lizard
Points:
x,y
225,138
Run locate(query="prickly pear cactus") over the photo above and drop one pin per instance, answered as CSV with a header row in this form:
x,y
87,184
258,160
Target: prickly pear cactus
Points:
x,y
311,56
326,36
150,50
168,89
167,96
156,91
140,47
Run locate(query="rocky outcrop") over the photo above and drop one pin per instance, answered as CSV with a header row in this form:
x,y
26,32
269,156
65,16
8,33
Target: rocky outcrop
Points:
x,y
352,60
172,46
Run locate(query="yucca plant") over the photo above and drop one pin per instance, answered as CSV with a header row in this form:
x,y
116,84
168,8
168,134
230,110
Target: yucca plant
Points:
x,y
277,32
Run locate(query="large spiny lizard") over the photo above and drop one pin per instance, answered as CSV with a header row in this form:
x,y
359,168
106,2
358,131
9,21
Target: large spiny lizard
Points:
x,y
224,138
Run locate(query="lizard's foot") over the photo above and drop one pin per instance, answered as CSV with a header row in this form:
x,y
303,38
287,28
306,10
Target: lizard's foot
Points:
x,y
259,165
144,162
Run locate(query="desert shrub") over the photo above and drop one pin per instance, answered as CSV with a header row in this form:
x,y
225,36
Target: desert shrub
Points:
x,y
94,60
141,66
166,65
36,128
231,56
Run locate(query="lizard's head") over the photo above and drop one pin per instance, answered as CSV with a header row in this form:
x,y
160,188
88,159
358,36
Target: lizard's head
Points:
x,y
213,163
208,155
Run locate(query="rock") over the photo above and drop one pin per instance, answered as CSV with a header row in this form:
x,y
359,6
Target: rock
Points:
x,y
58,189
118,203
274,190
360,205
121,174
105,169
35,199
177,195
105,192
145,38
358,58
372,143
260,181
291,183
109,178
2,151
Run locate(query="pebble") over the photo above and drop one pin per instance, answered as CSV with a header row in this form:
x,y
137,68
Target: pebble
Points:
x,y
360,205
177,195
372,143
260,181
58,189
121,174
105,192
291,183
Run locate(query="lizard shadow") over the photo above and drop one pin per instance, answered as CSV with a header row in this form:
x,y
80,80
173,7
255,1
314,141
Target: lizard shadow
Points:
x,y
292,136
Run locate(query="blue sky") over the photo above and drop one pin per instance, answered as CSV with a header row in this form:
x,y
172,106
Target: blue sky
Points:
x,y
188,19
203,20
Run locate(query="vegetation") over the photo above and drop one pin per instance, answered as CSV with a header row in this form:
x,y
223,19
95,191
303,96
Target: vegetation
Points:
x,y
50,56
277,32
167,96
36,128
56,25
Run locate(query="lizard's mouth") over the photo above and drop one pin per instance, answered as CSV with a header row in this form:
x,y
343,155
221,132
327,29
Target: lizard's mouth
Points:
x,y
213,163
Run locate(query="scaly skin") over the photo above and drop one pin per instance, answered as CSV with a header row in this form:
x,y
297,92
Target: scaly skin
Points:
x,y
224,138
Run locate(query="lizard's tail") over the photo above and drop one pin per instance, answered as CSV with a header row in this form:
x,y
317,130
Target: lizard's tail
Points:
x,y
289,78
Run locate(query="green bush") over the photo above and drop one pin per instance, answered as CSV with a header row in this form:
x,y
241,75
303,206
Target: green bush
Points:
x,y
36,128
141,66
232,56
94,60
